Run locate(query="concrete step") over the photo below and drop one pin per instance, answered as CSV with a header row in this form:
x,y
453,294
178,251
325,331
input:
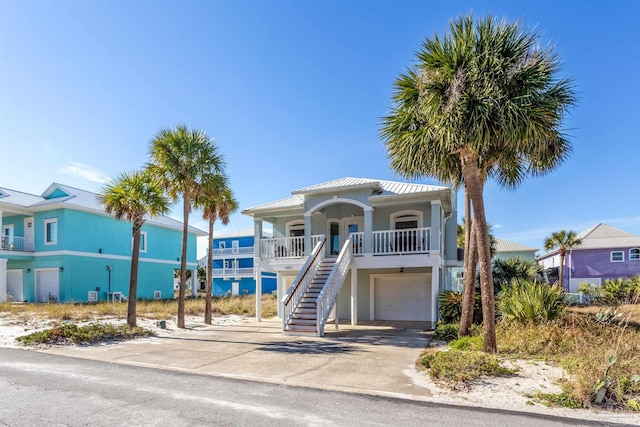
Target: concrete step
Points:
x,y
301,322
298,315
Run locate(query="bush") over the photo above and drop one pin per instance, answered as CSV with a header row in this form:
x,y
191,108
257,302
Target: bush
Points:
x,y
450,306
88,334
446,331
621,291
504,271
456,366
530,301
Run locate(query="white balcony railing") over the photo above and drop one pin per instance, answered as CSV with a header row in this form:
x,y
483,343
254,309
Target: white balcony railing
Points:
x,y
16,243
285,247
408,241
232,272
227,252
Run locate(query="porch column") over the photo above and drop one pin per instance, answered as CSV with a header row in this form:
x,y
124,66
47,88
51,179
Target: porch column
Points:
x,y
258,295
280,284
435,287
257,235
3,279
307,235
436,225
354,296
368,230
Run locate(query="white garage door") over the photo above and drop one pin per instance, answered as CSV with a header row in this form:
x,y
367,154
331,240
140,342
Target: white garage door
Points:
x,y
403,297
14,284
47,285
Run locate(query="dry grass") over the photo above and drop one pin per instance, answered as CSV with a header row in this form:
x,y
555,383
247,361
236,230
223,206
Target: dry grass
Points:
x,y
157,310
583,346
630,311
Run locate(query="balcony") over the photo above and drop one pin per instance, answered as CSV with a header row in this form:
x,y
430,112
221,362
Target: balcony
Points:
x,y
233,252
383,242
16,243
232,272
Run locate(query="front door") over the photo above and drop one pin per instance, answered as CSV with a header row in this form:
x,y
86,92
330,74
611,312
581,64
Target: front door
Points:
x,y
28,234
7,237
339,231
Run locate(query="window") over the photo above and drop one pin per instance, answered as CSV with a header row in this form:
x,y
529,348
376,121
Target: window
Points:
x,y
143,241
634,254
51,231
222,245
296,229
617,256
406,219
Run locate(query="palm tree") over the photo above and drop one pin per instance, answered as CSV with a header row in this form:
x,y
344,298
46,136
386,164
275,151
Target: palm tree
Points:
x,y
184,159
562,240
482,102
132,196
217,202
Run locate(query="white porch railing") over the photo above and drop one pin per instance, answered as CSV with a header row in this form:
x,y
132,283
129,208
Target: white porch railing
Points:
x,y
16,243
357,243
408,241
334,282
299,286
286,247
231,272
222,252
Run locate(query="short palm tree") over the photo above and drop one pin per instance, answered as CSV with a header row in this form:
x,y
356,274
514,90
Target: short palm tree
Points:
x,y
217,202
131,197
563,240
482,102
184,159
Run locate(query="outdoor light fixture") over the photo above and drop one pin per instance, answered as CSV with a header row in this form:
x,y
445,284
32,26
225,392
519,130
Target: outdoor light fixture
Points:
x,y
61,269
401,269
100,250
28,270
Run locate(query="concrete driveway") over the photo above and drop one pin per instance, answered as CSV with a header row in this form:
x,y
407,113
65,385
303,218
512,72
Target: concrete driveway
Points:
x,y
370,358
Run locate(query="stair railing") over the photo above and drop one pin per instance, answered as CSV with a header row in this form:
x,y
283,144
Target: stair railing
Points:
x,y
296,291
332,286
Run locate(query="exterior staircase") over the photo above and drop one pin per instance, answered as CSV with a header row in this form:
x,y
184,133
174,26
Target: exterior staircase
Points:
x,y
304,318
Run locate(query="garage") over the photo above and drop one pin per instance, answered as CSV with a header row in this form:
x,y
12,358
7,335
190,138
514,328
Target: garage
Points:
x,y
14,284
401,297
47,287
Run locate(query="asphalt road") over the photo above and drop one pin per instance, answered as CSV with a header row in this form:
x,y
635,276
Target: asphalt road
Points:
x,y
38,389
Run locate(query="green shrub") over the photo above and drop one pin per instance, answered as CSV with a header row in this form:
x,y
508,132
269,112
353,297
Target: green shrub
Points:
x,y
504,271
621,291
530,301
475,343
450,306
446,331
88,334
455,366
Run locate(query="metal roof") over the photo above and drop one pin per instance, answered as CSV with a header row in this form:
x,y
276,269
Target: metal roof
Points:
x,y
382,188
82,199
507,246
603,236
288,203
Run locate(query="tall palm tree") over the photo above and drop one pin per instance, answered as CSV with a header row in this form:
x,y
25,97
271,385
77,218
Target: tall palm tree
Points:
x,y
563,240
132,196
483,101
217,202
184,159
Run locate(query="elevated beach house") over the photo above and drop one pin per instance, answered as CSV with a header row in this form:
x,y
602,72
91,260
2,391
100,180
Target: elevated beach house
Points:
x,y
362,249
62,247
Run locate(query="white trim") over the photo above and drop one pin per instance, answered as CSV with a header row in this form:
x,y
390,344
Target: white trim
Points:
x,y
616,252
372,286
50,221
637,254
336,200
103,256
409,213
296,224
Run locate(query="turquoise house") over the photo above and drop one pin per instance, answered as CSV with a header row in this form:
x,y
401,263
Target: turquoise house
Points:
x,y
62,246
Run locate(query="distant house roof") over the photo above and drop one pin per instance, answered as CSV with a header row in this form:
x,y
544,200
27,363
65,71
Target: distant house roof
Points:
x,y
603,236
247,232
507,246
381,190
67,196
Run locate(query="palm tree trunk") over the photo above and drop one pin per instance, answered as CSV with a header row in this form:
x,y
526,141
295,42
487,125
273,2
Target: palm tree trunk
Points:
x,y
473,183
207,305
186,209
133,276
470,263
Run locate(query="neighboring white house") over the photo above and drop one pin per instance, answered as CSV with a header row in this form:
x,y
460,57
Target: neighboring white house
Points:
x,y
392,245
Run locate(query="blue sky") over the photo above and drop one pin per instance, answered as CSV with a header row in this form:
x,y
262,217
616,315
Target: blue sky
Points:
x,y
293,93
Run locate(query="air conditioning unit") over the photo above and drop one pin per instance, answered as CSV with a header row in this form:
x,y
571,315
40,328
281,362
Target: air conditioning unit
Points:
x,y
157,295
92,296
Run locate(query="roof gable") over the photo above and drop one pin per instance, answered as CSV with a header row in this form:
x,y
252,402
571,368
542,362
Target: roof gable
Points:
x,y
603,231
507,246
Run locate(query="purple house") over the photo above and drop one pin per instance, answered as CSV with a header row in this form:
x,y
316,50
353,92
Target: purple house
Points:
x,y
606,252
